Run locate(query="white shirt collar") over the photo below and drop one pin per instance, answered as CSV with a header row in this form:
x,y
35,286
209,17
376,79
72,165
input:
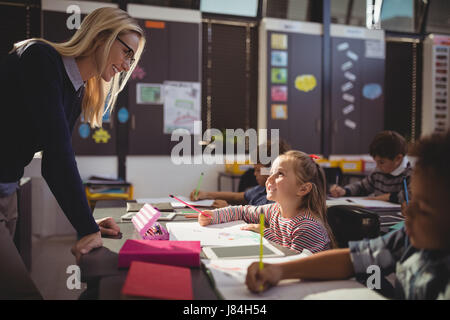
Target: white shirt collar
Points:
x,y
401,167
73,72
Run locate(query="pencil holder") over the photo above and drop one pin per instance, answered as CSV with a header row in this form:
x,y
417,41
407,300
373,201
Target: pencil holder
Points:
x,y
145,223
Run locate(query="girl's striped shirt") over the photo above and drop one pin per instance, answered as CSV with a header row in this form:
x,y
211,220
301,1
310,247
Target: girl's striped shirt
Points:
x,y
303,231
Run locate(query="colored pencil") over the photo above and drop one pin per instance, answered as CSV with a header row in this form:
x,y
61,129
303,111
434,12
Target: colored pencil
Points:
x,y
192,207
198,185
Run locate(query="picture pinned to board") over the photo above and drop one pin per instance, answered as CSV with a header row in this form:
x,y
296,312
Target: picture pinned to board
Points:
x,y
279,93
350,124
372,91
84,130
149,93
279,41
305,82
138,73
279,58
279,112
101,136
279,75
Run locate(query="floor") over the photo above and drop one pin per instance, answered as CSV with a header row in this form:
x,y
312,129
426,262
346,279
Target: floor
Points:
x,y
51,258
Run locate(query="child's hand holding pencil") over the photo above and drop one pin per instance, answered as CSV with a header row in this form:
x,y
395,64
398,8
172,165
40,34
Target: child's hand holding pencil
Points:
x,y
258,280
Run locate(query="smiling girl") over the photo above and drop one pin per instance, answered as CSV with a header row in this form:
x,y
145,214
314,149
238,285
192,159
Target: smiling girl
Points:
x,y
297,219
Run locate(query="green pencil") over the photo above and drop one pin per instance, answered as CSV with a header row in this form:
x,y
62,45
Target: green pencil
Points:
x,y
198,185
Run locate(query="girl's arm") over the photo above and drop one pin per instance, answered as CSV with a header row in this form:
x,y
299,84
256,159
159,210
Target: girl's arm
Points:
x,y
326,265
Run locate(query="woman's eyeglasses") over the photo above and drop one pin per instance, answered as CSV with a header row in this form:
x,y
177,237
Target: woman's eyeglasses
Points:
x,y
129,54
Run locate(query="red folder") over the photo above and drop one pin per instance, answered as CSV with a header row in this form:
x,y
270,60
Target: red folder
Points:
x,y
158,281
176,253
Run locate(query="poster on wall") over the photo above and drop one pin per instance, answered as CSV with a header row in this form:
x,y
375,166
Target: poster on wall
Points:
x,y
149,93
182,105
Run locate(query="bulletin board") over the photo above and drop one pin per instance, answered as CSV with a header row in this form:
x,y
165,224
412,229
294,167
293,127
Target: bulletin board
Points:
x,y
357,85
172,55
290,61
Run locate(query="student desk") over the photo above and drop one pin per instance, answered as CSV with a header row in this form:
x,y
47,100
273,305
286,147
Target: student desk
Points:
x,y
99,267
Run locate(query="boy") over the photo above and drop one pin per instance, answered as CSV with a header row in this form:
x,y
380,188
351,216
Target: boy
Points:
x,y
419,253
388,149
255,196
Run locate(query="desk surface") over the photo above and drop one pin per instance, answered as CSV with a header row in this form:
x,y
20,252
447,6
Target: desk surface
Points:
x,y
99,267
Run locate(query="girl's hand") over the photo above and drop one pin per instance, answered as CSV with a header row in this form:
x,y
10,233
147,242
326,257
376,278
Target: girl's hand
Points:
x,y
251,227
203,220
261,280
337,191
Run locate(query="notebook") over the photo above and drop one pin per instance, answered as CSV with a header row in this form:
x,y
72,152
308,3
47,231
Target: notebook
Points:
x,y
177,253
158,281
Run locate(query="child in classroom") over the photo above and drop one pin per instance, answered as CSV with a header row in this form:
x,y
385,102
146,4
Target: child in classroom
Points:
x,y
297,218
254,196
419,253
388,149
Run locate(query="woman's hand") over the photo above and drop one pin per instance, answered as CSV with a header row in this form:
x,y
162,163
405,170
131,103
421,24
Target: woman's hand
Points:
x,y
260,280
108,227
337,191
251,227
86,244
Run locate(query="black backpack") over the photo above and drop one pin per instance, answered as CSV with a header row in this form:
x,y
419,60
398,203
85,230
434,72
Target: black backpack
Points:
x,y
351,223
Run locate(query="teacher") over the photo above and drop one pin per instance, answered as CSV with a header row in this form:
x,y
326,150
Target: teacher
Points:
x,y
44,87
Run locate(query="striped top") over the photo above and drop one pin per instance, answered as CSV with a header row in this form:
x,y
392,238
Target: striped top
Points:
x,y
303,231
378,183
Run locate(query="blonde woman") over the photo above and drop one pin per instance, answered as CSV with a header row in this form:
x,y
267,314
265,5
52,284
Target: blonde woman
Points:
x,y
45,87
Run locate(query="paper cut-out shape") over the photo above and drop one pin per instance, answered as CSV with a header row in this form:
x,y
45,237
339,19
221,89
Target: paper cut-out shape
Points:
x,y
372,91
123,115
350,124
348,109
306,82
279,75
279,41
101,136
279,112
279,58
348,97
84,130
279,93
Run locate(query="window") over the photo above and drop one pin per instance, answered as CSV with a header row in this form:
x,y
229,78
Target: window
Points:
x,y
398,15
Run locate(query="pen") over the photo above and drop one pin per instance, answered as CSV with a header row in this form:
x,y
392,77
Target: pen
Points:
x,y
337,179
406,190
261,231
201,212
198,185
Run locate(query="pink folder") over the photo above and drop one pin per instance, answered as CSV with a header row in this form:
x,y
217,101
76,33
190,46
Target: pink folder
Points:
x,y
158,281
176,253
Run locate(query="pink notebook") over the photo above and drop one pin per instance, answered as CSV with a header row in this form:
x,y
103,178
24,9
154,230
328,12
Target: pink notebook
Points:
x,y
158,281
176,253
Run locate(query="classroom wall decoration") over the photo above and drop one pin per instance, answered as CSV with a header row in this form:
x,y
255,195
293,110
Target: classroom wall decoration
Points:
x,y
357,78
290,75
435,105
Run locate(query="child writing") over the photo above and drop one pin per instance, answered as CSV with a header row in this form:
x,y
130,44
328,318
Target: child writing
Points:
x,y
297,219
255,195
388,149
419,253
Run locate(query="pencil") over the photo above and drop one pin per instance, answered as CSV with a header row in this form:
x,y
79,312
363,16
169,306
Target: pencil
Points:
x,y
192,207
198,185
261,231
406,190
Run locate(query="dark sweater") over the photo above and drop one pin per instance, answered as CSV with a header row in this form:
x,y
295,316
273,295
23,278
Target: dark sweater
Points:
x,y
39,108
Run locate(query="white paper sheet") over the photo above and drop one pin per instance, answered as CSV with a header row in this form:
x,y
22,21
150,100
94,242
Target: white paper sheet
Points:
x,y
362,202
224,234
229,277
175,203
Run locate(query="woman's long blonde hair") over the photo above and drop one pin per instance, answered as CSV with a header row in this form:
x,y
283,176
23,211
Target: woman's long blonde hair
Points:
x,y
307,170
101,26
